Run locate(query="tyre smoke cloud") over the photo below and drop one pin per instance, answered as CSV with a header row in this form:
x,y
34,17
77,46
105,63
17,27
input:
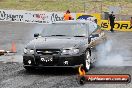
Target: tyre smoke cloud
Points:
x,y
37,29
111,53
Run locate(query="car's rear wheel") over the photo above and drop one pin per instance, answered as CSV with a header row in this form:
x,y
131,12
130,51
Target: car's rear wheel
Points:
x,y
87,61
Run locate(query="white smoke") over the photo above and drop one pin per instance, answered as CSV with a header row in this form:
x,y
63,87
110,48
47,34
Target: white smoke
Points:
x,y
108,54
37,29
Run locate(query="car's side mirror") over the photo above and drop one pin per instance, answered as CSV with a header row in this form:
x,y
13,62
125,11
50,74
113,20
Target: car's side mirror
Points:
x,y
36,34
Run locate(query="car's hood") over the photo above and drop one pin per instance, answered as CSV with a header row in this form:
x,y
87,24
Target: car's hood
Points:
x,y
56,42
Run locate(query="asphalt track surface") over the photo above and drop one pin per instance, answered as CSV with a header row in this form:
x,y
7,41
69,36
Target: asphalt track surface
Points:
x,y
13,75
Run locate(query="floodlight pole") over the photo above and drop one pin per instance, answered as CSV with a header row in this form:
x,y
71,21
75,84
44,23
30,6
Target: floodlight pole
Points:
x,y
101,7
84,6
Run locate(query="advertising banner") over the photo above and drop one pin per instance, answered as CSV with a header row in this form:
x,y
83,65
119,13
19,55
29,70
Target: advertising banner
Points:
x,y
119,25
42,16
32,16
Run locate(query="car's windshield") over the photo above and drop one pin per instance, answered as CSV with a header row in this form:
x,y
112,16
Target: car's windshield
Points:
x,y
65,29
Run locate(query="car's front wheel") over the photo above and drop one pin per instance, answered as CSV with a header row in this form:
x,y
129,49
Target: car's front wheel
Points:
x,y
87,61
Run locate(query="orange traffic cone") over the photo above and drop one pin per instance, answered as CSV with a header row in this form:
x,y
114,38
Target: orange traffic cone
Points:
x,y
13,47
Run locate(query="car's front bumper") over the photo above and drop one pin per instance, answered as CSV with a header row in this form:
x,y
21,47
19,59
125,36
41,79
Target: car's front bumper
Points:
x,y
57,61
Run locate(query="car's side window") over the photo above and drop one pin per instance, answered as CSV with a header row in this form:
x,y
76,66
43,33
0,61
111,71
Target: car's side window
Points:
x,y
92,26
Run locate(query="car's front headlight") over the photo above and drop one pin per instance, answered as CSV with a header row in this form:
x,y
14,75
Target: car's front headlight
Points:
x,y
28,51
70,51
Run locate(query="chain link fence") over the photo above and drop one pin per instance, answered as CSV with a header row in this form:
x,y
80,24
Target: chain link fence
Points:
x,y
122,9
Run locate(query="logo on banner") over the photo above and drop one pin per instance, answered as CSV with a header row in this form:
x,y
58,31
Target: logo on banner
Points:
x,y
87,17
56,17
117,25
10,17
40,16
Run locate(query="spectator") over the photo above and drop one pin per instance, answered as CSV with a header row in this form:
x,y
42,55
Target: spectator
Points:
x,y
131,22
111,19
67,15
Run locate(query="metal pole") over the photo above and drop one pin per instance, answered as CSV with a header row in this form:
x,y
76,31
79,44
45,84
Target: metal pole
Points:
x,y
101,9
84,6
120,12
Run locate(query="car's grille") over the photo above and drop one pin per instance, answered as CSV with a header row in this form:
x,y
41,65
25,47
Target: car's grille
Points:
x,y
47,51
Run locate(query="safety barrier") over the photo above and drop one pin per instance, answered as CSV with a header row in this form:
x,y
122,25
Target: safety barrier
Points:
x,y
41,16
32,16
48,17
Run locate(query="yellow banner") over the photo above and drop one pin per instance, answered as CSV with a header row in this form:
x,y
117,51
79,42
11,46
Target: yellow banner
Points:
x,y
119,25
86,16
